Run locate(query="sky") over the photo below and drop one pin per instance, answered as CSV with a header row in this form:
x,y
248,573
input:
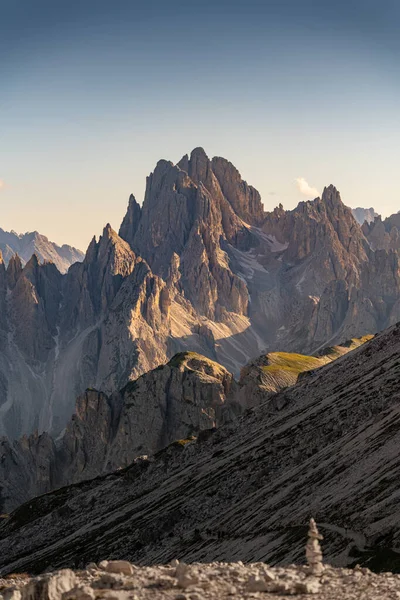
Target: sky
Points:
x,y
298,94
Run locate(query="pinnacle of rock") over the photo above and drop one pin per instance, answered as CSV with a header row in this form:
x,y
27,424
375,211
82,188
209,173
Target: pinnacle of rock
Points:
x,y
131,221
14,270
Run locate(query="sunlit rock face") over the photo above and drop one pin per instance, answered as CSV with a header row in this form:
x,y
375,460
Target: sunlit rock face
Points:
x,y
200,266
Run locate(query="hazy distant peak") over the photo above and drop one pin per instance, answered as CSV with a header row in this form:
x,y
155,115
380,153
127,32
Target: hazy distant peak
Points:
x,y
32,242
364,214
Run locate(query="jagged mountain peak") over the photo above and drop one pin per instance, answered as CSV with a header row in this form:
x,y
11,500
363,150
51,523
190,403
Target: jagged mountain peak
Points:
x,y
108,246
32,263
198,152
216,273
331,197
14,270
110,235
131,220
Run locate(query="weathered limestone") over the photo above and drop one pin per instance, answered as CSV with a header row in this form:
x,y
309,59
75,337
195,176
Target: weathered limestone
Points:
x,y
214,581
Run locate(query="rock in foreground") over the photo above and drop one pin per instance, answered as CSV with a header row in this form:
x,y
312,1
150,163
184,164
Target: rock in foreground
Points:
x,y
119,580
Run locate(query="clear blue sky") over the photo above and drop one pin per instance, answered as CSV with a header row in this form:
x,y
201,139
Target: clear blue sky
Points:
x,y
93,93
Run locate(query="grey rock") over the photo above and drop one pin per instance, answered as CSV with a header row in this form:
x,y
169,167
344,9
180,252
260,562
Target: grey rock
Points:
x,y
119,566
24,245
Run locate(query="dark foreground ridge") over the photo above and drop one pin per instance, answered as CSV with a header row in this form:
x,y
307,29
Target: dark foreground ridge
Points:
x,y
327,447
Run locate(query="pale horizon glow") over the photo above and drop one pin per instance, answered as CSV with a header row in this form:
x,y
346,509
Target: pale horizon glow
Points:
x,y
94,94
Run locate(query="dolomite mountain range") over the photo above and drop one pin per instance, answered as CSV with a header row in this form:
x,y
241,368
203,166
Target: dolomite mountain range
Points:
x,y
181,338
199,267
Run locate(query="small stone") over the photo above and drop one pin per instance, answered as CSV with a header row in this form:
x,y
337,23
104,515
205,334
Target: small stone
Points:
x,y
185,580
91,565
231,591
268,575
50,586
103,564
110,581
280,588
11,594
180,597
255,584
82,592
174,563
310,586
163,582
119,566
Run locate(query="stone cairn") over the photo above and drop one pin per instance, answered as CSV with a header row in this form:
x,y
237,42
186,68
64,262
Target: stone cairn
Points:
x,y
313,550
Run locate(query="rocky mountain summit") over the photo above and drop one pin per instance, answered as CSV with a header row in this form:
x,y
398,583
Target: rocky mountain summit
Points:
x,y
201,267
27,244
327,447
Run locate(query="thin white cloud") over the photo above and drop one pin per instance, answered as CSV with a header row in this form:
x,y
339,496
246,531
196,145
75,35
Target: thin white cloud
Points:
x,y
306,189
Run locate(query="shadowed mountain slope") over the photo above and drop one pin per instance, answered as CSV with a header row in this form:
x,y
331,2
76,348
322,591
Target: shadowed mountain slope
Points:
x,y
177,400
327,447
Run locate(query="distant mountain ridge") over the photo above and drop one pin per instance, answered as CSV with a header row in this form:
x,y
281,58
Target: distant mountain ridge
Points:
x,y
364,214
26,244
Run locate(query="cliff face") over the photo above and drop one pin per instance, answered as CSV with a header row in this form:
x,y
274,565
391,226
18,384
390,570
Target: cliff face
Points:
x,y
172,402
182,217
103,323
